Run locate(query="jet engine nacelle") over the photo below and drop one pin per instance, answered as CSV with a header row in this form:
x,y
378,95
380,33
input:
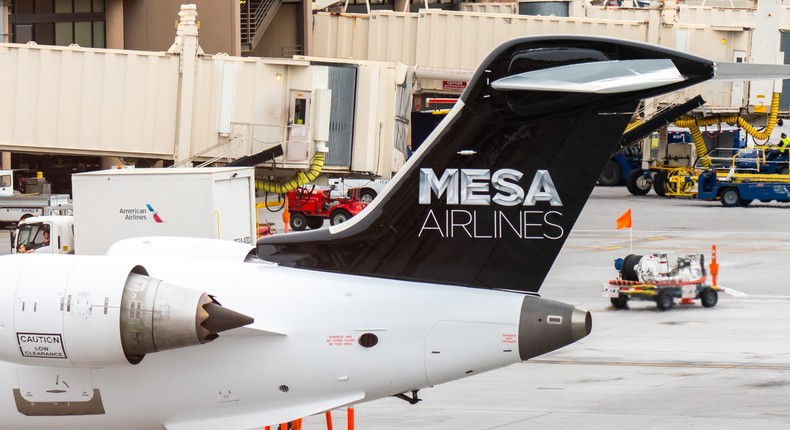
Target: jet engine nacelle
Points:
x,y
79,311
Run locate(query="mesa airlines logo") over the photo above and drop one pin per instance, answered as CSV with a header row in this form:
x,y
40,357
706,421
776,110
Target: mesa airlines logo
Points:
x,y
140,214
474,187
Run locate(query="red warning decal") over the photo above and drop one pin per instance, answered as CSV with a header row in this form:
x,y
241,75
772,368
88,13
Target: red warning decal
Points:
x,y
340,340
509,338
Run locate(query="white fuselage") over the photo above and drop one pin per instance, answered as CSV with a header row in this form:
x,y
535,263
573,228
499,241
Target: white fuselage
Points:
x,y
302,349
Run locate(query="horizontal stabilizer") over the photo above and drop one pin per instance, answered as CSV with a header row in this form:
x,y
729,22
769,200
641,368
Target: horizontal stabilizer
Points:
x,y
602,77
750,72
272,415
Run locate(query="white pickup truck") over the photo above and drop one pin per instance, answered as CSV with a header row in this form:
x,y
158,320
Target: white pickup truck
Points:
x,y
368,188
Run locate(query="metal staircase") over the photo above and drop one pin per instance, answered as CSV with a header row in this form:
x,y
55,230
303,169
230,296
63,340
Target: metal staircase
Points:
x,y
256,15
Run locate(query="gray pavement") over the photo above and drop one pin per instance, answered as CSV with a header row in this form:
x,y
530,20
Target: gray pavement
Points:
x,y
721,368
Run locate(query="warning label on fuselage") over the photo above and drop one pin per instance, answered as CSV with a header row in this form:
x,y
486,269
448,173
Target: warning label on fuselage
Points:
x,y
41,345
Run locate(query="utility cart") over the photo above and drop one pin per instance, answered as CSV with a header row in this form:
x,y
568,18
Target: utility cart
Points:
x,y
653,278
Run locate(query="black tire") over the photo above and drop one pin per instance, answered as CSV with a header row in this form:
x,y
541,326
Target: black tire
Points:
x,y
315,222
708,297
637,184
367,196
730,197
660,183
339,216
620,302
627,272
298,221
746,202
664,301
610,176
784,170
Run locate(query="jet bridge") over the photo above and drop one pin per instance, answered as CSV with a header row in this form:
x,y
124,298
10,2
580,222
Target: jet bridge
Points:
x,y
188,106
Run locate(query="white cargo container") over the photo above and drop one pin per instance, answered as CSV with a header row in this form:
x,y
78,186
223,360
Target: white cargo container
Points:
x,y
110,205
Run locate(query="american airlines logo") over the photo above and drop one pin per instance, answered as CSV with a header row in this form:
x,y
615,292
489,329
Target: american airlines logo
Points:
x,y
473,187
481,187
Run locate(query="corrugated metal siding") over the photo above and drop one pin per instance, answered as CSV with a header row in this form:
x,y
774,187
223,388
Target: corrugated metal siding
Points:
x,y
343,83
505,8
393,37
474,36
340,36
707,16
83,101
615,13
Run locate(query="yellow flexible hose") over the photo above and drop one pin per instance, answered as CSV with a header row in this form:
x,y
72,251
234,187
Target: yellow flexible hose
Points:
x,y
299,179
693,125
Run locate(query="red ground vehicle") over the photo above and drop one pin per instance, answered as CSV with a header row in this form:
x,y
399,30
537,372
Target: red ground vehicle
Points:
x,y
309,207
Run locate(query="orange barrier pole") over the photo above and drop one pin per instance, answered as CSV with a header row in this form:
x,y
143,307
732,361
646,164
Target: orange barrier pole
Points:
x,y
350,418
267,428
283,426
297,425
329,420
714,267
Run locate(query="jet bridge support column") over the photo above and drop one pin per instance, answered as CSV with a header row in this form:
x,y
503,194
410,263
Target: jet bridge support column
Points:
x,y
186,46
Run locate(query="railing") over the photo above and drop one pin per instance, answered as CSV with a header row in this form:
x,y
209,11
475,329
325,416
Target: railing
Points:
x,y
255,16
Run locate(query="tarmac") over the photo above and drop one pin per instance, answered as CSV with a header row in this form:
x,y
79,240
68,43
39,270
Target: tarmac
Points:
x,y
724,367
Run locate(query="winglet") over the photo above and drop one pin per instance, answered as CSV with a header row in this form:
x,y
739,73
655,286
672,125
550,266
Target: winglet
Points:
x,y
601,77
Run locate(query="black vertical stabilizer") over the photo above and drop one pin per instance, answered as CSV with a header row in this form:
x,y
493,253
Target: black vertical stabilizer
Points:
x,y
490,197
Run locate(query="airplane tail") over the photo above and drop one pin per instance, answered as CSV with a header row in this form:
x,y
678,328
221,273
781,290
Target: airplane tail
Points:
x,y
491,196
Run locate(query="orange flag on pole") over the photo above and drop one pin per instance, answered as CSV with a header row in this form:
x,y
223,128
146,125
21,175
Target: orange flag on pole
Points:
x,y
625,220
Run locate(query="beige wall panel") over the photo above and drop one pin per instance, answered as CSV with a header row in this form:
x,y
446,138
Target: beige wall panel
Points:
x,y
505,8
706,42
477,35
716,17
150,24
373,119
614,13
340,36
80,100
258,101
393,37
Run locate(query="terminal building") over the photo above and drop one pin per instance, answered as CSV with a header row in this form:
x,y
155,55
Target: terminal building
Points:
x,y
92,83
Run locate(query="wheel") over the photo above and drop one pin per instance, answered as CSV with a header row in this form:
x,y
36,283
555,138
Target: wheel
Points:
x,y
637,183
709,297
339,216
664,300
628,271
784,170
367,196
680,181
315,222
660,183
620,302
610,176
730,197
298,221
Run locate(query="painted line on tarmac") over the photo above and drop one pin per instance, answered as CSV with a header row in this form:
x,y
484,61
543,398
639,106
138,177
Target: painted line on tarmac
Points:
x,y
785,367
755,297
734,293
